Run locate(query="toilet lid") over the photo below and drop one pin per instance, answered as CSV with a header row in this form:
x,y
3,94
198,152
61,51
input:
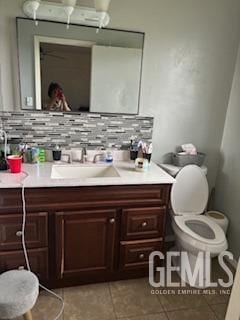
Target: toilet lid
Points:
x,y
189,193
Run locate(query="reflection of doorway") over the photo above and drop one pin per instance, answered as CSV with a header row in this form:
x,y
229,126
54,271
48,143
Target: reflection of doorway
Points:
x,y
70,66
67,63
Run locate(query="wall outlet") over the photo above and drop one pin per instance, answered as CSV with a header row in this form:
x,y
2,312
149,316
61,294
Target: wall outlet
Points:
x,y
29,101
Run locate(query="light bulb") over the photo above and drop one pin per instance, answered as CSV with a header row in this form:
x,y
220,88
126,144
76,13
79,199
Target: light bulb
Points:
x,y
35,5
69,8
102,5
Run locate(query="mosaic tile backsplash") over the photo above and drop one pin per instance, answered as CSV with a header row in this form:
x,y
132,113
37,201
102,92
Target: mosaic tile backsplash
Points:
x,y
74,130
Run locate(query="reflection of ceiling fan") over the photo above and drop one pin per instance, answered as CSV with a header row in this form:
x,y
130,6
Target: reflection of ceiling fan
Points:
x,y
44,53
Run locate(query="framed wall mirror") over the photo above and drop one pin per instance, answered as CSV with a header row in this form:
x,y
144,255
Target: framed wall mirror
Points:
x,y
80,69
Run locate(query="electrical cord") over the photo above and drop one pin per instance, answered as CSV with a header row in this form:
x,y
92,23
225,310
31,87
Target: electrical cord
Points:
x,y
4,134
25,248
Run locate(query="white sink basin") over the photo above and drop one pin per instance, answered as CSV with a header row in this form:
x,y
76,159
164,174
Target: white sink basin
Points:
x,y
83,172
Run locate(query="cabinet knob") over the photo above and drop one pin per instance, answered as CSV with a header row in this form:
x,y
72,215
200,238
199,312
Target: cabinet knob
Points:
x,y
144,224
142,256
19,233
112,220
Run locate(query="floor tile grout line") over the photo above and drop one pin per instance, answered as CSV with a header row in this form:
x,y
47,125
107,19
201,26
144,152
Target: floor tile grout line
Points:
x,y
191,309
210,306
110,292
181,309
142,315
150,288
167,315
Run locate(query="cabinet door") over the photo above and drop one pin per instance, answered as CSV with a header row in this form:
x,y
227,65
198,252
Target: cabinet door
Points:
x,y
85,242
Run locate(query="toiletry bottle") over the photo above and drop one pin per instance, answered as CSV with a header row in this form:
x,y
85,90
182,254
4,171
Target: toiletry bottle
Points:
x,y
35,152
141,164
133,151
109,157
42,155
57,153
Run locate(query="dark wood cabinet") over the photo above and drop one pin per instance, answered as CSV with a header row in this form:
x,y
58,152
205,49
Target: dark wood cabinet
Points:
x,y
77,235
143,223
85,242
135,254
36,231
38,259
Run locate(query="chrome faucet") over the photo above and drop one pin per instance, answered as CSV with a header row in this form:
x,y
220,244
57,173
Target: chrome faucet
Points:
x,y
69,157
84,154
98,155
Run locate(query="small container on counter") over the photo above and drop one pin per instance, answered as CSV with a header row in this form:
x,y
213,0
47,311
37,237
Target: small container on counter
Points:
x,y
133,154
27,156
57,153
35,153
49,155
3,162
15,163
147,156
41,155
141,165
109,157
133,151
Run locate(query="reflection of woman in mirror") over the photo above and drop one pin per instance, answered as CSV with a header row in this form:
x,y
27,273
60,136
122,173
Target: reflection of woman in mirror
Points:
x,y
57,100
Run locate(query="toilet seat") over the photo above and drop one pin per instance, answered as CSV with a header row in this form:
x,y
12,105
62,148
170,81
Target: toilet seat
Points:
x,y
184,224
189,194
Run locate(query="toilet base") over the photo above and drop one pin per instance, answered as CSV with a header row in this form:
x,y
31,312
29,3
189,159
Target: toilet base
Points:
x,y
190,265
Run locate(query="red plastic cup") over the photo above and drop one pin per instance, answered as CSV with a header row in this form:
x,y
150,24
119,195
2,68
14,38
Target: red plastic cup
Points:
x,y
15,163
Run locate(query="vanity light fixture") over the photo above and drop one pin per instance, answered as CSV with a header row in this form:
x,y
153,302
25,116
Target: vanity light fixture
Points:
x,y
34,5
58,11
69,6
102,6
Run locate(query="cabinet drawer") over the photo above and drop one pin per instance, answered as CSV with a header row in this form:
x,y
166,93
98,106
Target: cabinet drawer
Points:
x,y
38,259
135,254
35,234
143,223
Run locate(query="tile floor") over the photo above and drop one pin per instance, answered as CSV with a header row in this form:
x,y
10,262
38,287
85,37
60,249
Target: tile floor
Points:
x,y
130,300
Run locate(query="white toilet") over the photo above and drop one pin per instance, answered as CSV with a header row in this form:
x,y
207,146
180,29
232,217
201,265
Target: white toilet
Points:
x,y
194,232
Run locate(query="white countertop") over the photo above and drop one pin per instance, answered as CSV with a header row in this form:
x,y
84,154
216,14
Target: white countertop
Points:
x,y
39,176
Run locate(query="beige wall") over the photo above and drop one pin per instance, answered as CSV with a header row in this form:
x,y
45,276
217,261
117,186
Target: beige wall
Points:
x,y
8,53
189,59
228,182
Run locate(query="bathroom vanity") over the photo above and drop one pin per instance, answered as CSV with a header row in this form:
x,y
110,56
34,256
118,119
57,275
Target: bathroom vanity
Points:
x,y
82,231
